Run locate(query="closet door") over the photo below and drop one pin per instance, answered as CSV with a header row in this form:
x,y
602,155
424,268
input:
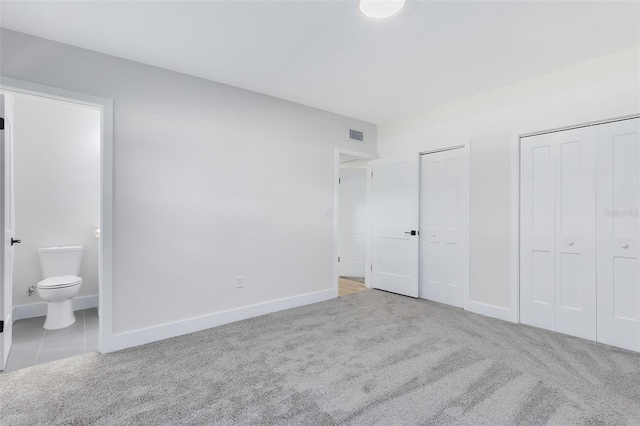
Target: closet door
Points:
x,y
576,233
537,231
618,229
557,254
443,227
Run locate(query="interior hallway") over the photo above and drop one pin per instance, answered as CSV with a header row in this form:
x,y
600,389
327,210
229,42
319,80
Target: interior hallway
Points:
x,y
348,286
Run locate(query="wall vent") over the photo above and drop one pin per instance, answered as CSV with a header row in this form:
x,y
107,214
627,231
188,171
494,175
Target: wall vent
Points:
x,y
355,135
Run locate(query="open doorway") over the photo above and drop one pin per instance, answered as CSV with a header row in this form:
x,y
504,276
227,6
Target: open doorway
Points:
x,y
352,223
52,196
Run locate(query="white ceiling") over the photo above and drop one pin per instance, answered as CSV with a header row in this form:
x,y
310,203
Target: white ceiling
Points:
x,y
327,55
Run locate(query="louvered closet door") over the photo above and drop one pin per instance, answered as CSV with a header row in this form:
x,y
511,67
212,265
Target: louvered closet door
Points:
x,y
557,254
618,228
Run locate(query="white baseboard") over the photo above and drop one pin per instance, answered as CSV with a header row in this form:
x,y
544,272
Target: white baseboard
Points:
x,y
191,325
40,309
493,311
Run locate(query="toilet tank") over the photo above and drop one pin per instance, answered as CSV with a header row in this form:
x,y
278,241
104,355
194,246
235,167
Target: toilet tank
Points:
x,y
58,261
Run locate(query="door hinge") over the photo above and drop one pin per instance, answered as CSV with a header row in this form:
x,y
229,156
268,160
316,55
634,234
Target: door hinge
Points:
x,y
1,326
372,267
339,180
372,174
1,123
338,258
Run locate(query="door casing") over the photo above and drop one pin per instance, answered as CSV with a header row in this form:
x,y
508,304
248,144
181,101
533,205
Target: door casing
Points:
x,y
105,106
336,216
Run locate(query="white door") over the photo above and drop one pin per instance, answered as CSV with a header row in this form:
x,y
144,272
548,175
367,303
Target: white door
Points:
x,y
394,224
7,220
576,233
443,227
353,221
558,246
537,232
618,244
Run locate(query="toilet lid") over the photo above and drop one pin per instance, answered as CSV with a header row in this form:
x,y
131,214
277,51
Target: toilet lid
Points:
x,y
60,282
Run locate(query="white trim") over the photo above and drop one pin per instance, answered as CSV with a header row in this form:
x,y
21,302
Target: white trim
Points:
x,y
40,309
515,229
367,237
336,217
106,190
10,320
192,325
488,310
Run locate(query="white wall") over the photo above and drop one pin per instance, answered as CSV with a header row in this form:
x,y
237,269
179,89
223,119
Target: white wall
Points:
x,y
56,186
604,88
210,182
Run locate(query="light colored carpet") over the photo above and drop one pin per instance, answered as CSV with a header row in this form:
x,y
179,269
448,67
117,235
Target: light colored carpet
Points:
x,y
371,358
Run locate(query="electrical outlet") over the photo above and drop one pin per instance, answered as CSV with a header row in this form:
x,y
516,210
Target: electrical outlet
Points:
x,y
239,283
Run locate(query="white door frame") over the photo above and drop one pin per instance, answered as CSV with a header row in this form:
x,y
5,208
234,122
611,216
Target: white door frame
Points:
x,y
336,216
105,106
466,148
514,315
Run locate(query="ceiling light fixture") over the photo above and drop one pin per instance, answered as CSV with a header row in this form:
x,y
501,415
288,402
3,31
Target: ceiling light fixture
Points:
x,y
379,9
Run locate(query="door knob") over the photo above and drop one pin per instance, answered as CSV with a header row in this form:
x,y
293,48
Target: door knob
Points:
x,y
15,241
624,246
570,243
411,232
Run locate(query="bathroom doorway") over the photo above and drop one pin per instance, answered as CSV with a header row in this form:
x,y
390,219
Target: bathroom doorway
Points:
x,y
352,223
55,206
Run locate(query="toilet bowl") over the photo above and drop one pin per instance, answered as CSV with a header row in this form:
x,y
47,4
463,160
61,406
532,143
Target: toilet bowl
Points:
x,y
61,272
58,292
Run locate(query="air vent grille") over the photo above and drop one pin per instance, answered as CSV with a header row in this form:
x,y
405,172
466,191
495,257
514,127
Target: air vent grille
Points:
x,y
355,135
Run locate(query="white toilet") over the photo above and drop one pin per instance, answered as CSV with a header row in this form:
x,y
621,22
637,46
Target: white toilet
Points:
x,y
61,272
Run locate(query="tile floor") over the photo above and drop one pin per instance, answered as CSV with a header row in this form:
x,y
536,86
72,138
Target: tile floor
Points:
x,y
34,345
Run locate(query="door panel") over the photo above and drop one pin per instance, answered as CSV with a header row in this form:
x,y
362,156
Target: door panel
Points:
x,y
394,214
352,222
443,226
575,233
537,230
618,248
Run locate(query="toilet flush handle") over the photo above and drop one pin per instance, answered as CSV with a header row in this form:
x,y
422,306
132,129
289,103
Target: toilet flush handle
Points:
x,y
15,241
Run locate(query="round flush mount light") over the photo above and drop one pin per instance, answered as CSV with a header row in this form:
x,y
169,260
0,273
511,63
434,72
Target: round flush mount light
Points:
x,y
379,9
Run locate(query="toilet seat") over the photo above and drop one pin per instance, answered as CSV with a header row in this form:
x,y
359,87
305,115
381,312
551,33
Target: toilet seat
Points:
x,y
59,282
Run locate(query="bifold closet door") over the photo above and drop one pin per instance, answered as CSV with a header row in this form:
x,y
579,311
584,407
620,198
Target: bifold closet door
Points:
x,y
443,226
557,232
618,229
